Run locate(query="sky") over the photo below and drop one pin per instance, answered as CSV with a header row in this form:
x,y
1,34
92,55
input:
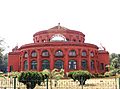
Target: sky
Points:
x,y
99,20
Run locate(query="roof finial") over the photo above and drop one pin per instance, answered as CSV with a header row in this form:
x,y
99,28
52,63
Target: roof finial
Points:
x,y
103,47
58,25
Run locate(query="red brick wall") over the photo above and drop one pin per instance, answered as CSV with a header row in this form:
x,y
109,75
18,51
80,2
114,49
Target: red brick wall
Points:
x,y
104,58
13,60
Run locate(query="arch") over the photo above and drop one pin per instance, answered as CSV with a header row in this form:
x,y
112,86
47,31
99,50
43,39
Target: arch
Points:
x,y
58,53
59,64
72,53
11,68
45,53
33,54
92,54
101,66
84,64
67,39
84,53
34,65
25,55
43,40
92,65
25,65
72,64
74,40
45,64
58,37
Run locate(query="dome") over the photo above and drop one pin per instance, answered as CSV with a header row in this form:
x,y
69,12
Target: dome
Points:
x,y
58,33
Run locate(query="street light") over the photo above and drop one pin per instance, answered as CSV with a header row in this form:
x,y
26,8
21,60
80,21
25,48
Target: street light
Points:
x,y
47,83
15,82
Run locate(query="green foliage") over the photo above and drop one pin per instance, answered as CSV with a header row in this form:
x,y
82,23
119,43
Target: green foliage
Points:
x,y
114,67
2,75
107,74
3,58
112,73
13,74
115,60
80,75
54,74
118,71
97,76
30,79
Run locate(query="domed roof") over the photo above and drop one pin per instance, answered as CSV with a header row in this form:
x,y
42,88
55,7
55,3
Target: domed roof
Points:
x,y
58,29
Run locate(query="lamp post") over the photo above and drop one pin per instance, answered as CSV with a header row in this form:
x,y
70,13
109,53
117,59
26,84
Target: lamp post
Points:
x,y
82,81
47,83
15,82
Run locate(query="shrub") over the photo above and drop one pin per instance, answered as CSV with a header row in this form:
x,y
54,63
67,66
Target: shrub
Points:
x,y
118,71
30,79
107,74
80,75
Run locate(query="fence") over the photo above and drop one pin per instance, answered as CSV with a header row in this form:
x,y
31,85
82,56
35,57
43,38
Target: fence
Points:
x,y
100,83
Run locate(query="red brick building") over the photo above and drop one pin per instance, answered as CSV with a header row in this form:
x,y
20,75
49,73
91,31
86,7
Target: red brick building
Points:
x,y
58,47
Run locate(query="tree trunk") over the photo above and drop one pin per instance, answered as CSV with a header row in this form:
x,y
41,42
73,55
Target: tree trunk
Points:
x,y
50,83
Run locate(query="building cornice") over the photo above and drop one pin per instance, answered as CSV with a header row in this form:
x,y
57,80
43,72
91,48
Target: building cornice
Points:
x,y
57,44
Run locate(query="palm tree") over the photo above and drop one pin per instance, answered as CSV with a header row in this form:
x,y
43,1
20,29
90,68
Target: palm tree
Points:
x,y
54,74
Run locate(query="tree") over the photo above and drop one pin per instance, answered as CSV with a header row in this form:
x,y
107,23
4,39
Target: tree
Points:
x,y
80,75
115,60
54,74
30,79
2,75
115,63
3,58
1,54
5,62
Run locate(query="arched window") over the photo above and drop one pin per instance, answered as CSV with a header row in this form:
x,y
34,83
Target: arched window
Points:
x,y
59,64
84,53
67,39
72,64
74,40
25,55
101,66
59,53
91,54
11,68
34,54
34,65
43,40
58,37
45,53
45,64
72,53
84,64
25,65
92,65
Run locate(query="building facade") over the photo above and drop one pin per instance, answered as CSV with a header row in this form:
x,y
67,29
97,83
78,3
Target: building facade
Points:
x,y
58,47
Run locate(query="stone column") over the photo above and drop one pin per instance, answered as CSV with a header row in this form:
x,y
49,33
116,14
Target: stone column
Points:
x,y
38,60
96,64
28,59
89,60
65,51
79,59
51,58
